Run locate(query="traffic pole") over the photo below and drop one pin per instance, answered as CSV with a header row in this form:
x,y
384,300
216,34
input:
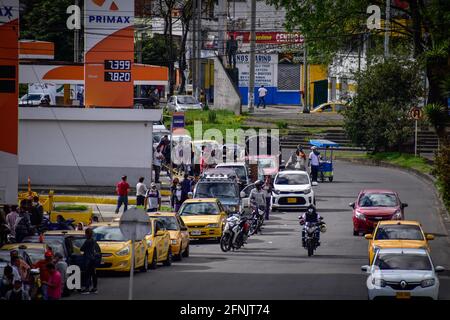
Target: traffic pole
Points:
x,y
415,140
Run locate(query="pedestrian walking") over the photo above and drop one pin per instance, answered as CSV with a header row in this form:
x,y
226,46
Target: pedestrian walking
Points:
x,y
186,187
262,92
314,162
54,282
158,157
92,256
141,191
122,190
153,199
231,50
175,197
268,188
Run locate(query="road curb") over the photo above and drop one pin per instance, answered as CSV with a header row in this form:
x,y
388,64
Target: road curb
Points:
x,y
427,178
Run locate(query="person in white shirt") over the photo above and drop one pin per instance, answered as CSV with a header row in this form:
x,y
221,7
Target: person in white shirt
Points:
x,y
314,162
262,92
141,191
157,159
153,199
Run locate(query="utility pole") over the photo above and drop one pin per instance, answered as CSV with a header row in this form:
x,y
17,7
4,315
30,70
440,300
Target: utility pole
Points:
x,y
199,48
76,40
386,28
222,27
251,83
139,59
305,79
194,47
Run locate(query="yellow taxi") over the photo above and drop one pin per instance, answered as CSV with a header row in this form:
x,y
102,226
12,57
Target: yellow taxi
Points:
x,y
30,252
397,234
330,107
116,250
205,218
179,234
158,242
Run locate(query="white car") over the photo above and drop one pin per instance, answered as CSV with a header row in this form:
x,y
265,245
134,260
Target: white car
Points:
x,y
241,171
292,190
402,274
183,103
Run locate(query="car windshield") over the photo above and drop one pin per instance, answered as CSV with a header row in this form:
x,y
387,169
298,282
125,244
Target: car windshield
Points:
x,y
55,244
187,100
240,171
399,232
292,179
266,163
397,261
108,233
200,208
378,200
32,97
169,222
216,190
77,244
4,256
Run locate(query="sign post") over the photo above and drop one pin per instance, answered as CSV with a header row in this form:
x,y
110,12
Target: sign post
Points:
x,y
415,113
134,225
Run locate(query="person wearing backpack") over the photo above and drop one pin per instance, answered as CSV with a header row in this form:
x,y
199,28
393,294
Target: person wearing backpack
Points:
x,y
92,256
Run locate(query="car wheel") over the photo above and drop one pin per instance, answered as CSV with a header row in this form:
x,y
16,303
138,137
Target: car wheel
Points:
x,y
154,263
179,256
145,265
330,179
186,252
168,261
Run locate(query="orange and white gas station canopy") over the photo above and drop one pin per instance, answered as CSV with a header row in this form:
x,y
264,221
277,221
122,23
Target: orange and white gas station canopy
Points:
x,y
36,66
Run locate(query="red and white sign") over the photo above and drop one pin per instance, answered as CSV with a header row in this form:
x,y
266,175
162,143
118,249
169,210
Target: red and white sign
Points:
x,y
269,37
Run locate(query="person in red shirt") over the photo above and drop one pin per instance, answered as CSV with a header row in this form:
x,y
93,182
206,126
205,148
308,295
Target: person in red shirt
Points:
x,y
122,191
53,283
43,271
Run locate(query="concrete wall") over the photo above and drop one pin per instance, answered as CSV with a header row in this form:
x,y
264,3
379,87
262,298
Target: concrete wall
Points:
x,y
225,95
8,177
86,147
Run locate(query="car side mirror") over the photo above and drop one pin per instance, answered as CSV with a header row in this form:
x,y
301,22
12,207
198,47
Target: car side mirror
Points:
x,y
368,236
365,268
159,233
242,194
404,205
351,205
429,236
439,269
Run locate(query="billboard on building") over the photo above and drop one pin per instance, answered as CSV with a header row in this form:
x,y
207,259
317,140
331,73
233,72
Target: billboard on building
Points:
x,y
109,53
266,69
9,60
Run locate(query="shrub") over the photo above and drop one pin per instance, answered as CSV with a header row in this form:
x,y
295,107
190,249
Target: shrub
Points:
x,y
281,124
212,116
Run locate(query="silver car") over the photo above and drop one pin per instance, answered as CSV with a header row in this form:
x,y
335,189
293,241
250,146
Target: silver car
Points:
x,y
183,103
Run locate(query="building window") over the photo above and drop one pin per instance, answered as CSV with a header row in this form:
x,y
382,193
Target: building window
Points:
x,y
288,77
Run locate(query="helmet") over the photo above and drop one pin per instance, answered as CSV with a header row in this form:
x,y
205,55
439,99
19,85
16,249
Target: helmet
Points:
x,y
313,148
311,208
258,183
323,228
299,147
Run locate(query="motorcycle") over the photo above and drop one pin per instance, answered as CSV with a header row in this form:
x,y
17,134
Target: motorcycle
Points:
x,y
310,234
257,220
235,233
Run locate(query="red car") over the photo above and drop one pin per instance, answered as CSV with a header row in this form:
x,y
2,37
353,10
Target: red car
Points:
x,y
373,206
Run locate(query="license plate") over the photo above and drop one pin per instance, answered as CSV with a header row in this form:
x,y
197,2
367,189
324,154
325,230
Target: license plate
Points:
x,y
403,295
292,200
196,232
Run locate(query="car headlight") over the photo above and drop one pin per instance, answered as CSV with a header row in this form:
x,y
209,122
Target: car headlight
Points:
x,y
232,209
397,215
427,283
124,252
378,282
149,243
307,191
276,191
174,241
213,225
360,215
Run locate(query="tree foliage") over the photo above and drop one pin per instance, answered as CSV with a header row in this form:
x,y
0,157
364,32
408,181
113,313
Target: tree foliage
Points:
x,y
45,20
378,116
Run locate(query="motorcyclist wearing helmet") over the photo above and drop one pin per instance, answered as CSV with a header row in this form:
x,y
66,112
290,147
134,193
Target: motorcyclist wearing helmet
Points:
x,y
310,216
257,195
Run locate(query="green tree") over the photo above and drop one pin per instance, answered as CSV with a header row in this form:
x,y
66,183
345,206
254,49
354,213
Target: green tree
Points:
x,y
45,20
422,29
377,118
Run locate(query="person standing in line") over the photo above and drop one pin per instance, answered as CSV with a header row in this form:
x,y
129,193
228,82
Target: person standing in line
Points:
x,y
11,219
157,158
37,212
314,162
262,92
54,282
61,266
92,255
122,190
153,198
141,191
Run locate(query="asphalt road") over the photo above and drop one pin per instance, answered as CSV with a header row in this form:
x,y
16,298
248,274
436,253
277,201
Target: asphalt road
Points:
x,y
274,265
